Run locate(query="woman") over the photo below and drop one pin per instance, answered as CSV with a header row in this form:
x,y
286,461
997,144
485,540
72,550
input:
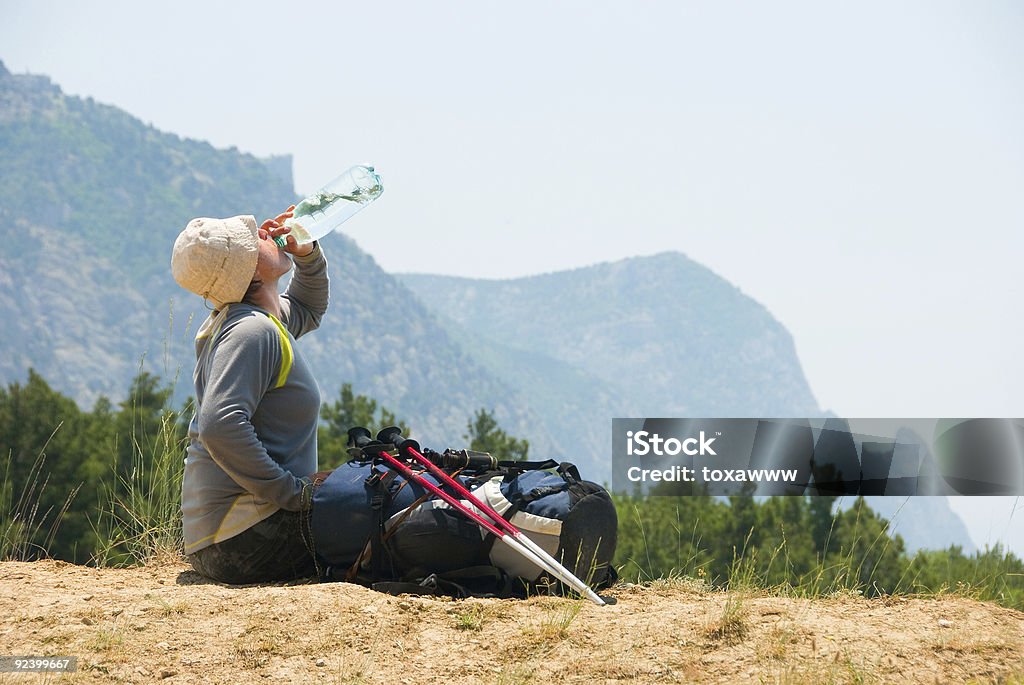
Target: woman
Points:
x,y
252,455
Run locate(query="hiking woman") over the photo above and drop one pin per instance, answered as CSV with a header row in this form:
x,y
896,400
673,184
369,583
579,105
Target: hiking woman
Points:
x,y
252,457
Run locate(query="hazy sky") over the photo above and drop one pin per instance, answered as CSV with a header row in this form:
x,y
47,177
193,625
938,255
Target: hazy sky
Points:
x,y
858,169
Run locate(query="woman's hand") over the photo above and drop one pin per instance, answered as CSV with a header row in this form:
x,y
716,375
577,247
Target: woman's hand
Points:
x,y
275,227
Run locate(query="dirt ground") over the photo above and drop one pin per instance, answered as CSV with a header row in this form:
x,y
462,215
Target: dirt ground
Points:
x,y
164,622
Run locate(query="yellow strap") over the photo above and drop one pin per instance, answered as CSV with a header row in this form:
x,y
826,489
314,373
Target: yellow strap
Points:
x,y
287,356
211,328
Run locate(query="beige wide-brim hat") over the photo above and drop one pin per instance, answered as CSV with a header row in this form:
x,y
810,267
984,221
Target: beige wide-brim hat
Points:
x,y
216,258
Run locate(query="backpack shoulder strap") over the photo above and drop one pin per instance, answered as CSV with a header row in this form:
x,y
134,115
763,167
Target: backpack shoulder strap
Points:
x,y
287,353
214,323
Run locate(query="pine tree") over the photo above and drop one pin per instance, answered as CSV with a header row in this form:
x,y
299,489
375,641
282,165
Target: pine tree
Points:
x,y
484,435
348,411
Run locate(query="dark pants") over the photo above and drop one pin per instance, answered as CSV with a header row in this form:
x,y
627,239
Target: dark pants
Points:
x,y
274,549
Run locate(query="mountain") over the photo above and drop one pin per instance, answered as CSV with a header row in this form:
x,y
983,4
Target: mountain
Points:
x,y
666,333
91,200
646,336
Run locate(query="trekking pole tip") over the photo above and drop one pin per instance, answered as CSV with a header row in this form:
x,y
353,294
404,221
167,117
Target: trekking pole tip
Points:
x,y
596,598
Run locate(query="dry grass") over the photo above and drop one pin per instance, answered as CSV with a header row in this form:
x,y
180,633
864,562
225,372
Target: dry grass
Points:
x,y
732,625
558,619
470,617
255,646
839,671
775,646
961,641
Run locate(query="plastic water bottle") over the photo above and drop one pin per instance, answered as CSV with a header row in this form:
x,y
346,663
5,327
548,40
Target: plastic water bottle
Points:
x,y
326,209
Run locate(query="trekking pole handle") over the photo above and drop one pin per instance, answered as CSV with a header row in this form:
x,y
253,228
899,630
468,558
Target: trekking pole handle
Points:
x,y
392,435
359,437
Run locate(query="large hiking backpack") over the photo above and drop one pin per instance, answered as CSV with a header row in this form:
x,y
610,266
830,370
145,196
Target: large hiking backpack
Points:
x,y
370,525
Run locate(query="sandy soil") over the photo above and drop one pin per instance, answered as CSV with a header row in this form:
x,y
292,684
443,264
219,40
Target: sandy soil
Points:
x,y
163,622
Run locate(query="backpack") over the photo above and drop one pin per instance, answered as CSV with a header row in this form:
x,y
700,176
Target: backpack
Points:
x,y
369,525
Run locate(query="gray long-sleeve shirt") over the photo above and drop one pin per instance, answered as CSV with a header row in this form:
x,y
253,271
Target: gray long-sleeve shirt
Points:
x,y
252,440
